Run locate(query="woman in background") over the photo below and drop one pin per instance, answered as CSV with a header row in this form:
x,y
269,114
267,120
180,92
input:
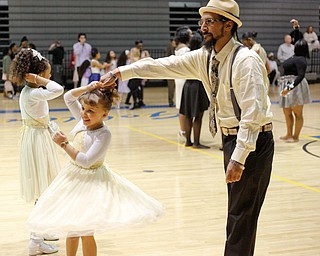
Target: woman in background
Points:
x,y
294,91
249,40
194,102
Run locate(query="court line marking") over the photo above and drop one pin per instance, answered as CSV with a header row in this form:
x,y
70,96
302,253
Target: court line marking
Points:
x,y
172,142
219,157
295,183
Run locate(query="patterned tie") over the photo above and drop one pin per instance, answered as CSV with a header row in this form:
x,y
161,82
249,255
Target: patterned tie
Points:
x,y
213,102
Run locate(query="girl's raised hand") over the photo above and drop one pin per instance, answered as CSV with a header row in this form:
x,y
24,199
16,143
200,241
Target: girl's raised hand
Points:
x,y
31,78
94,85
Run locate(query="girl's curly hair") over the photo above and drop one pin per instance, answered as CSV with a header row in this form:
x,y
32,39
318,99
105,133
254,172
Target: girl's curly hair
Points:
x,y
103,96
25,62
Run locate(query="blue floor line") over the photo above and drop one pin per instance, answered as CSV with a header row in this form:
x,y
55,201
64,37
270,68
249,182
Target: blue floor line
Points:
x,y
122,107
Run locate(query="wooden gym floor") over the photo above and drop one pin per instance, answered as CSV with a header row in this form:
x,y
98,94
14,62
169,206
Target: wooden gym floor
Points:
x,y
189,182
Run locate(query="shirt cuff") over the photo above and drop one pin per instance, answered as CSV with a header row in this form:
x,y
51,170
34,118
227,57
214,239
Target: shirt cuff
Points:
x,y
240,155
126,72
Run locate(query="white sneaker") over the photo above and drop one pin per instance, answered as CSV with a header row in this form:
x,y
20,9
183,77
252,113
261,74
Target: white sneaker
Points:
x,y
181,137
39,248
50,237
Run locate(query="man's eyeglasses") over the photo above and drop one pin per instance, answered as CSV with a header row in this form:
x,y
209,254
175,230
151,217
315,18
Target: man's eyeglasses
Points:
x,y
208,22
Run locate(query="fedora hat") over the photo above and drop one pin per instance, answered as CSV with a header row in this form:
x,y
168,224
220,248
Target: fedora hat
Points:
x,y
225,8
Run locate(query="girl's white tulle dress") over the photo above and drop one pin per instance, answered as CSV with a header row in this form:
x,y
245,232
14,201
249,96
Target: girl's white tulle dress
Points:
x,y
87,197
39,163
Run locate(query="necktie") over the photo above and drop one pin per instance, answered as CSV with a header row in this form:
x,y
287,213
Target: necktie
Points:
x,y
214,88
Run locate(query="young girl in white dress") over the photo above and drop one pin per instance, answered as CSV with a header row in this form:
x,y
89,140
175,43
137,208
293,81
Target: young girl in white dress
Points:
x,y
124,59
39,162
87,197
96,66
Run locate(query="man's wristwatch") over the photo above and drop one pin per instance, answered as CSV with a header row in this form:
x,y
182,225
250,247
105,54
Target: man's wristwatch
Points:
x,y
241,166
113,76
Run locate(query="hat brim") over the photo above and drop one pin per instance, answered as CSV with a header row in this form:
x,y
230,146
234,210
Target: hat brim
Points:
x,y
202,10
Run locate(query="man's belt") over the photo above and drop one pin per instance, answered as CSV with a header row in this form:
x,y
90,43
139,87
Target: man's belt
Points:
x,y
234,131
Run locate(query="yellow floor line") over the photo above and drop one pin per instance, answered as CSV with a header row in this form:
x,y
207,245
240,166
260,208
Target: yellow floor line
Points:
x,y
295,183
218,157
174,142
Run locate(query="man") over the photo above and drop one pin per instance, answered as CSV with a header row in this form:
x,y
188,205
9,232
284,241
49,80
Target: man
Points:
x,y
295,34
136,85
285,51
57,52
82,52
248,144
171,84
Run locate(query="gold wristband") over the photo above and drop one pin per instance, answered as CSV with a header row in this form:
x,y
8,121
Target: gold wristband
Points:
x,y
64,144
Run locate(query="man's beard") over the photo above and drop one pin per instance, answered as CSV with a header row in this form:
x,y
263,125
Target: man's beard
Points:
x,y
210,44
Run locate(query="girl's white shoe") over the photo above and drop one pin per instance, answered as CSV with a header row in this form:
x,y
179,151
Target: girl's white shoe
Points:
x,y
38,247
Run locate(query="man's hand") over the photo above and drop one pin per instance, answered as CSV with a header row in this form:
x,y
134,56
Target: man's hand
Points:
x,y
234,172
108,79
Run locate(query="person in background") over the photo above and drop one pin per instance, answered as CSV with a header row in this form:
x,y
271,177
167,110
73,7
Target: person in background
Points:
x,y
294,91
111,61
183,36
274,72
249,40
72,66
6,62
85,72
23,43
194,102
285,51
135,85
14,49
32,46
96,66
171,84
57,52
124,59
312,39
82,52
295,34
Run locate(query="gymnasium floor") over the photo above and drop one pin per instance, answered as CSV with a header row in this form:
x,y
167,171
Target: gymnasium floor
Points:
x,y
189,182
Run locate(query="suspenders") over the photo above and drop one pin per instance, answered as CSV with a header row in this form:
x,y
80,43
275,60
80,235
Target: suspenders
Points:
x,y
236,108
235,104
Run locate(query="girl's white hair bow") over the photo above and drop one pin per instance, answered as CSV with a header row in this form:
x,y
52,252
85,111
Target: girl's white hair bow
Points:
x,y
35,53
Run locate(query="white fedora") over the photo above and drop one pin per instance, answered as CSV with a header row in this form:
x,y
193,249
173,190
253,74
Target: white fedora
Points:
x,y
226,8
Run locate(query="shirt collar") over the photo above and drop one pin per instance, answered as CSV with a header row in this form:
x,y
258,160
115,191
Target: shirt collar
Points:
x,y
225,51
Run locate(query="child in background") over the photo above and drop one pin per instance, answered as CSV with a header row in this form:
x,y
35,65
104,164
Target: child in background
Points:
x,y
87,197
96,66
39,162
124,59
111,60
6,61
72,66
